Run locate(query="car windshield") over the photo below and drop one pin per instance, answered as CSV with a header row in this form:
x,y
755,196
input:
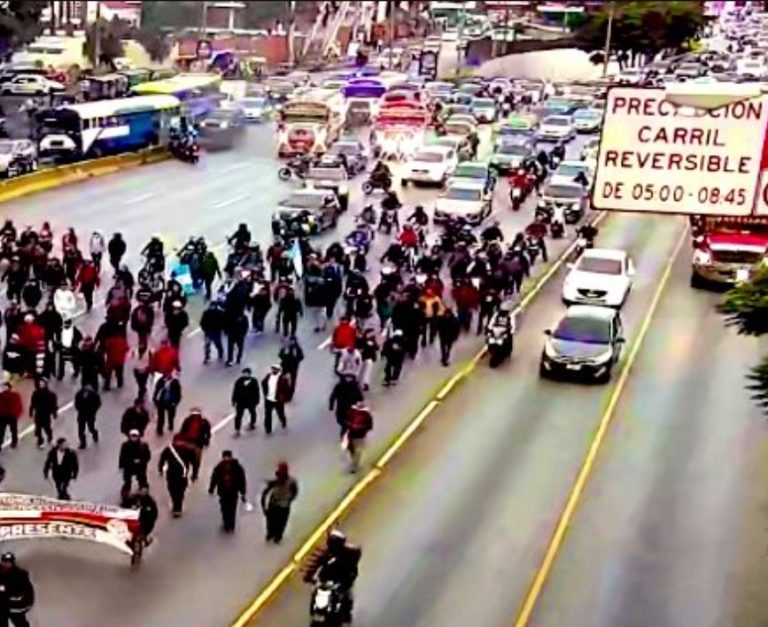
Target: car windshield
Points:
x,y
586,114
483,103
301,200
6,148
518,150
328,174
570,170
428,157
600,265
583,329
344,149
463,193
563,191
253,102
555,120
221,115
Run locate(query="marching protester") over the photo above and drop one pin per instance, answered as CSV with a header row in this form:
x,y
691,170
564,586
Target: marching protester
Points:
x,y
87,405
11,408
246,397
43,408
17,594
277,389
228,482
135,418
178,464
276,501
62,466
166,397
291,355
359,424
132,462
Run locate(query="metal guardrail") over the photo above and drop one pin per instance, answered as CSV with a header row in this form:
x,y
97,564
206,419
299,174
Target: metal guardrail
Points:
x,y
57,176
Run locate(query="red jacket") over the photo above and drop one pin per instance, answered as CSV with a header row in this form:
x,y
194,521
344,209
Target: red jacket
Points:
x,y
435,284
31,336
466,296
344,335
359,422
115,351
87,276
166,360
10,404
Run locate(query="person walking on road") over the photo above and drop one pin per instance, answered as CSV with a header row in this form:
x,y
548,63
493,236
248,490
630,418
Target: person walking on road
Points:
x,y
289,310
87,405
344,394
11,408
141,362
136,417
166,397
228,481
291,355
116,249
212,324
448,329
178,465
62,466
236,329
43,409
17,594
276,501
276,387
246,397
393,353
349,363
134,458
369,351
359,424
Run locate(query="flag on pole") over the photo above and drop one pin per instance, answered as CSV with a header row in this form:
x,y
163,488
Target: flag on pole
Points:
x,y
295,255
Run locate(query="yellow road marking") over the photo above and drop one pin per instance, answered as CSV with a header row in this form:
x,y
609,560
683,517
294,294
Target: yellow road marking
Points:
x,y
250,612
556,542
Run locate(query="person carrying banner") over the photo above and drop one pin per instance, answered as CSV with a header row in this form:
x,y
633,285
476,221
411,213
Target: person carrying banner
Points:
x,y
63,467
17,594
178,464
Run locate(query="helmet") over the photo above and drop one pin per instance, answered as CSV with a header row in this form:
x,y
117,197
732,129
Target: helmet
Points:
x,y
336,540
8,558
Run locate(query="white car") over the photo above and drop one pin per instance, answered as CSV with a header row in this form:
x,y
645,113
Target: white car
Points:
x,y
17,156
466,199
587,120
601,276
430,164
567,172
255,108
556,128
30,85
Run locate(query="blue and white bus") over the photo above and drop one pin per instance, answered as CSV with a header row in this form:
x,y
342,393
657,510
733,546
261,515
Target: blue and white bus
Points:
x,y
107,127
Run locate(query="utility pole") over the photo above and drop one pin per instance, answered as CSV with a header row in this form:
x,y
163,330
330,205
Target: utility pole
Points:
x,y
204,20
608,35
459,41
391,34
96,35
291,5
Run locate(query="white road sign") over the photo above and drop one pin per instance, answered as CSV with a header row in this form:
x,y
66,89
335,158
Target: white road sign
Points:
x,y
655,157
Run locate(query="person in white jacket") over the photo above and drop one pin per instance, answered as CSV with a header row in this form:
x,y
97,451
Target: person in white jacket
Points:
x,y
350,363
96,248
65,302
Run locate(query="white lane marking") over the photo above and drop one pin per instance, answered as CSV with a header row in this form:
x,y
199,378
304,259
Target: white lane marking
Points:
x,y
326,343
97,304
223,423
235,167
231,201
194,332
138,199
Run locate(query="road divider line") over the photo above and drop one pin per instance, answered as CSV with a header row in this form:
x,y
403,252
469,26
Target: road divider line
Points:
x,y
324,344
31,428
138,199
574,498
230,201
269,591
195,331
223,423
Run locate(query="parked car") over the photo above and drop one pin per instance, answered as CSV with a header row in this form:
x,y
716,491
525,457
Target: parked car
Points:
x,y
17,156
30,85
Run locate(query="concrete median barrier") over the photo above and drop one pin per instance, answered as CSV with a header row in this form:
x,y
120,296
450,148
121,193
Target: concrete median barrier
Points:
x,y
72,173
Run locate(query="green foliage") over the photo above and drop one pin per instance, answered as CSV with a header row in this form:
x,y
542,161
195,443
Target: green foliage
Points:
x,y
746,305
642,28
263,13
110,36
20,22
155,44
160,14
746,308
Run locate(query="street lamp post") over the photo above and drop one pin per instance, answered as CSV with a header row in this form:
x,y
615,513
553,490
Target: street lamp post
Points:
x,y
608,35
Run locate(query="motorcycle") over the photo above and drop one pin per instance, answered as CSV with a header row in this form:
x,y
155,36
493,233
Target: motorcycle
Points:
x,y
188,152
582,244
387,220
295,168
556,230
499,338
326,606
517,197
373,183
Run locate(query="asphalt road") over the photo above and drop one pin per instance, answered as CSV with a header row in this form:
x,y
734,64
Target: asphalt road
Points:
x,y
193,570
669,532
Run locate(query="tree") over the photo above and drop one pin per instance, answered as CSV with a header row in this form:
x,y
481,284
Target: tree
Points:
x,y
156,46
110,35
641,29
20,23
745,307
157,15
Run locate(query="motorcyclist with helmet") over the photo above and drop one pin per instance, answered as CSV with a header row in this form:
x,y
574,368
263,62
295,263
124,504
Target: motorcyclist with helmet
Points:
x,y
337,564
381,175
240,238
389,216
17,594
368,215
154,253
419,216
492,233
556,155
589,233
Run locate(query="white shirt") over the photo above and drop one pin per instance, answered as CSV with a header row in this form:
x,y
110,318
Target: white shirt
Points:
x,y
67,334
272,387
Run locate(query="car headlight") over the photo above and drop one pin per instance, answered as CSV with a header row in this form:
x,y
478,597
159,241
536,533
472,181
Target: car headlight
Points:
x,y
343,190
702,258
542,204
602,357
549,351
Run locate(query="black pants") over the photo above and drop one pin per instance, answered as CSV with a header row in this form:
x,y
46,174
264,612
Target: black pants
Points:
x,y
61,362
212,340
289,325
119,377
277,519
279,408
208,283
239,411
165,413
90,376
445,352
62,488
43,427
258,315
96,258
128,475
13,425
115,262
177,488
88,296
228,505
516,282
86,421
174,337
232,344
141,382
482,318
17,620
392,369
